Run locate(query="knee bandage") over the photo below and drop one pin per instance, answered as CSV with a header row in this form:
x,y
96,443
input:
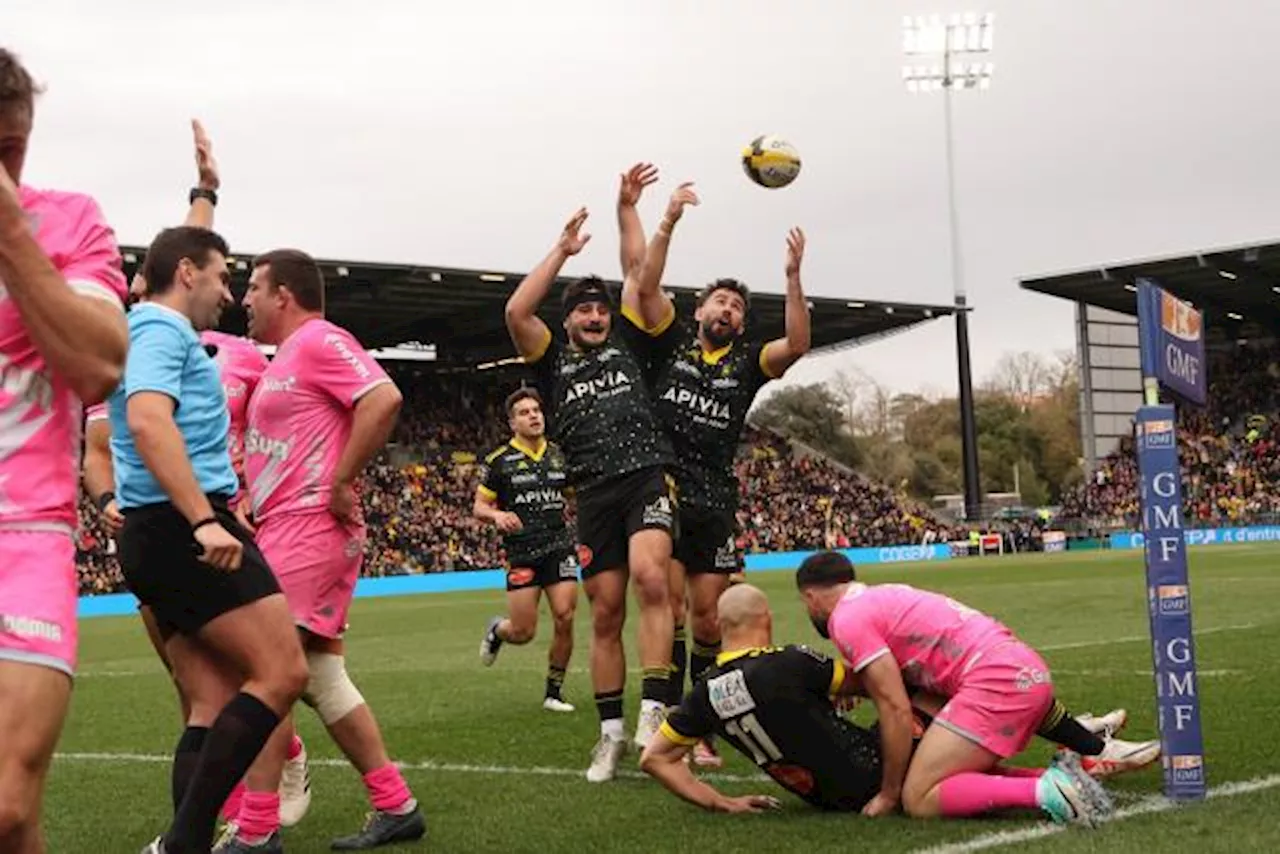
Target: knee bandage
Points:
x,y
329,688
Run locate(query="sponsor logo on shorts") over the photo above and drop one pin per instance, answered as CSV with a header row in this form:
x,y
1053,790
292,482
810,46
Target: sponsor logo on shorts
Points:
x,y
519,577
569,567
585,555
1028,677
29,627
659,512
353,548
727,555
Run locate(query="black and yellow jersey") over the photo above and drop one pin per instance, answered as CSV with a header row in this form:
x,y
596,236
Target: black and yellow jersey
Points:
x,y
529,482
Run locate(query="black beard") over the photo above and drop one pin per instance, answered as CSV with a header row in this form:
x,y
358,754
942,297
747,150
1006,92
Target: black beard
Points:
x,y
717,340
820,626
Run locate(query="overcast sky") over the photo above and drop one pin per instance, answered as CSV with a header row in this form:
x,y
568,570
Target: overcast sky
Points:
x,y
463,134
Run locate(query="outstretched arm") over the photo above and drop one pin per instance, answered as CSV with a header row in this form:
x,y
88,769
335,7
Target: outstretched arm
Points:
x,y
201,213
529,334
663,759
781,354
883,682
642,294
631,186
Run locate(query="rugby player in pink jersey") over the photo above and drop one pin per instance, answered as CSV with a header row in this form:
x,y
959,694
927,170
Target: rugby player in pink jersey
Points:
x,y
63,341
321,411
997,691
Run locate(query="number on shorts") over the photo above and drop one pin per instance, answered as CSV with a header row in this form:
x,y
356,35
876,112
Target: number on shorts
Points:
x,y
747,730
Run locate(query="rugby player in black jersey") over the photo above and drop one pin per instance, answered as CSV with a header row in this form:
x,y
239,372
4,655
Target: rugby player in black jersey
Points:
x,y
601,415
522,494
705,377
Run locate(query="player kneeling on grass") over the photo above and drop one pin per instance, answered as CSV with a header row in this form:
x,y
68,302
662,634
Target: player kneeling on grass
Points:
x,y
997,689
521,492
775,706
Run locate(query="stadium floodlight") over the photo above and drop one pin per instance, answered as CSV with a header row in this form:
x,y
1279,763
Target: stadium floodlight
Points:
x,y
942,53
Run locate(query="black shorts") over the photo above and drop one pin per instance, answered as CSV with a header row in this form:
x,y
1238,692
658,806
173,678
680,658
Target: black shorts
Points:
x,y
159,563
707,544
611,512
543,571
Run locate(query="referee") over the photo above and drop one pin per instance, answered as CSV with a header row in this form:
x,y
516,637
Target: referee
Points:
x,y
183,553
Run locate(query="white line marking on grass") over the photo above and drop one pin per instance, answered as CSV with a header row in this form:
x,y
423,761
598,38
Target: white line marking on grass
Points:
x,y
1153,804
1053,647
1110,673
421,765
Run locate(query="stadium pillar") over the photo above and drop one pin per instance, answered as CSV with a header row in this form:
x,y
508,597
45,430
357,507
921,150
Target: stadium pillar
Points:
x,y
968,420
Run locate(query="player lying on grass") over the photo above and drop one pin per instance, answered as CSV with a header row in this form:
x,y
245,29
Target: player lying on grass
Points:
x,y
998,692
774,705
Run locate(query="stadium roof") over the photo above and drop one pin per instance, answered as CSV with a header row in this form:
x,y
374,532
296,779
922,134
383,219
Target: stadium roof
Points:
x,y
459,313
1237,288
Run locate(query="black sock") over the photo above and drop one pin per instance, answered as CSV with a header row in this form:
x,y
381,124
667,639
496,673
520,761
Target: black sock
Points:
x,y
1061,728
185,757
609,705
679,665
703,657
555,682
655,684
233,742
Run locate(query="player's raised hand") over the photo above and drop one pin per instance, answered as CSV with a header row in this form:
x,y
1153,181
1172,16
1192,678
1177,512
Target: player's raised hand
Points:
x,y
206,164
795,251
684,196
218,548
748,803
571,238
632,183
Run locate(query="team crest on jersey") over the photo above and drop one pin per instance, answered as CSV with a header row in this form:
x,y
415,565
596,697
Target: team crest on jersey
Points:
x,y
729,695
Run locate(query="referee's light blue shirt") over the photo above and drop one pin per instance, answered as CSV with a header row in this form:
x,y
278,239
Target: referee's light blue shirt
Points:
x,y
166,356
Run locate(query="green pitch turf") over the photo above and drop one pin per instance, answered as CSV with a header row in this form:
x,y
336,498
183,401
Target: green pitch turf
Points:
x,y
496,773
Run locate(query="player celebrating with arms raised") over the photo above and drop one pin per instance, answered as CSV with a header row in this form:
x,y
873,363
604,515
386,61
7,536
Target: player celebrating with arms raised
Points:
x,y
997,690
63,341
320,412
617,453
521,493
707,375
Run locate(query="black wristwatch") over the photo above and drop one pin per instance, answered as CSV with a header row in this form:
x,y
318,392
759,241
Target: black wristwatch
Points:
x,y
104,499
202,193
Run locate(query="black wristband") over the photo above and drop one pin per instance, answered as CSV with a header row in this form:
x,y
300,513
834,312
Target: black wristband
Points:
x,y
212,520
104,499
202,193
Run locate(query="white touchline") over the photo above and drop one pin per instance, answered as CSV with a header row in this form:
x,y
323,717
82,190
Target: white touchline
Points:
x,y
1153,804
421,765
1051,647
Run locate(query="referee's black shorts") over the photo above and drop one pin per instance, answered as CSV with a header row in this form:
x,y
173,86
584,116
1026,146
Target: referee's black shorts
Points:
x,y
158,555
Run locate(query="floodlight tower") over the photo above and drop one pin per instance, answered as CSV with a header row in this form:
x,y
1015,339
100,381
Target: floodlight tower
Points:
x,y
948,47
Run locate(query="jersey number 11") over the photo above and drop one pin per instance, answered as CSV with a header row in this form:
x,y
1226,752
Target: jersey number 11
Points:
x,y
747,730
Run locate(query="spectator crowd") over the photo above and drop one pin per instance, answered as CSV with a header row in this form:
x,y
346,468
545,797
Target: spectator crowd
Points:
x,y
417,497
1229,450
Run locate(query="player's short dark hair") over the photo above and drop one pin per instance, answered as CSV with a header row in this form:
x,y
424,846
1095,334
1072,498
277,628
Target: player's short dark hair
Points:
x,y
17,86
297,271
734,285
586,289
523,393
825,569
193,243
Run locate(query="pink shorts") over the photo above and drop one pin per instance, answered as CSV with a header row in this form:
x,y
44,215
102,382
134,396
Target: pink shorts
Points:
x,y
317,560
38,599
1002,699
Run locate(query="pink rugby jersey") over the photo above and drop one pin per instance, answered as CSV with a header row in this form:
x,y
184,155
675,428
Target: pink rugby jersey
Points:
x,y
240,364
41,419
300,418
933,638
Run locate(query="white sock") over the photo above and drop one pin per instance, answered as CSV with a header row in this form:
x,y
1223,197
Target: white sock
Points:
x,y
646,705
612,729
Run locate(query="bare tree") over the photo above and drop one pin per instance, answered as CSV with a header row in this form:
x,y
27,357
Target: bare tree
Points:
x,y
1023,377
